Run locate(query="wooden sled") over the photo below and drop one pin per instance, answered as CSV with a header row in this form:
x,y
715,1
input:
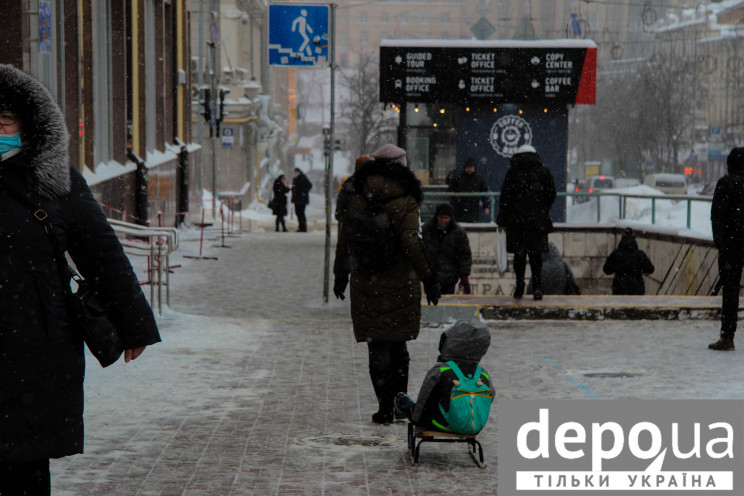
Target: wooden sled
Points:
x,y
418,433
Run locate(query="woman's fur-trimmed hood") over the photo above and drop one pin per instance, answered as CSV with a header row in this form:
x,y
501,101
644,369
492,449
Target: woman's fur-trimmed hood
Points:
x,y
392,170
44,132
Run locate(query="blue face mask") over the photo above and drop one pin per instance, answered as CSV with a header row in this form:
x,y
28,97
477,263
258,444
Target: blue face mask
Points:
x,y
9,142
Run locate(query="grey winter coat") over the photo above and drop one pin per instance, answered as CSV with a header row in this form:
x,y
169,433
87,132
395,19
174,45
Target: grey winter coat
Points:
x,y
465,343
41,355
557,276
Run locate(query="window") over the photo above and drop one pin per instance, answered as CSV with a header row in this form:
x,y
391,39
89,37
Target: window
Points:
x,y
445,35
363,37
404,18
425,19
384,18
363,17
446,18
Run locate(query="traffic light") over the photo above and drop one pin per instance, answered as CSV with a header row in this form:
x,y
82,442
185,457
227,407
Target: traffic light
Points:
x,y
223,93
207,102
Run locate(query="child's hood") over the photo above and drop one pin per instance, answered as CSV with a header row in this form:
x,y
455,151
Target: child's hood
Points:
x,y
466,341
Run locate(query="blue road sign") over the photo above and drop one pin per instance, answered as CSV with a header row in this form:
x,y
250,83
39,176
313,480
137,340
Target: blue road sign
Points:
x,y
298,34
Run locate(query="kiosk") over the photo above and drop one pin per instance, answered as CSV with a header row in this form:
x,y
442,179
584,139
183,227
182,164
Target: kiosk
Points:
x,y
485,99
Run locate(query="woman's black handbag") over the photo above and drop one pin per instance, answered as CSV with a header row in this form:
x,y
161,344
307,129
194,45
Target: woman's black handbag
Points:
x,y
88,317
86,312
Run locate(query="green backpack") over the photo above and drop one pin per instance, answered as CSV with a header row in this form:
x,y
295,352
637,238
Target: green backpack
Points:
x,y
470,402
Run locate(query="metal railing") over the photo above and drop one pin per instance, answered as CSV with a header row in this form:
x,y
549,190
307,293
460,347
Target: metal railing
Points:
x,y
432,198
155,243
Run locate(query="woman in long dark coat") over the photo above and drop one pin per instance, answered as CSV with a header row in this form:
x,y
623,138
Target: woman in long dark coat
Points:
x,y
41,355
527,194
386,302
279,208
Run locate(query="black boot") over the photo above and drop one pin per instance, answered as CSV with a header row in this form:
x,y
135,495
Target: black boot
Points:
x,y
385,399
519,289
725,343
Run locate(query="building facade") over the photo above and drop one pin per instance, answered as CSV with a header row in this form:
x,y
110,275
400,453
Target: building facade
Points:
x,y
119,71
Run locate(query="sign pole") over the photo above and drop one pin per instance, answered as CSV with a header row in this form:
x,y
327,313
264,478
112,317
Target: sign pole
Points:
x,y
213,126
329,168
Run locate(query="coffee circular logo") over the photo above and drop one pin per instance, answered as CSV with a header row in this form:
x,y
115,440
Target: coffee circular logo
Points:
x,y
509,133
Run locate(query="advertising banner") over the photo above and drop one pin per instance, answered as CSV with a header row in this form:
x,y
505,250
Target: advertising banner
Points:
x,y
549,72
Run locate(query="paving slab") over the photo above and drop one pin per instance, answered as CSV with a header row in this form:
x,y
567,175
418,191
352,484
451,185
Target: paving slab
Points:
x,y
260,389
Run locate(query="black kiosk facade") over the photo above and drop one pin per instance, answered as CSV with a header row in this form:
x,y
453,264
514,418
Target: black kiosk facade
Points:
x,y
485,99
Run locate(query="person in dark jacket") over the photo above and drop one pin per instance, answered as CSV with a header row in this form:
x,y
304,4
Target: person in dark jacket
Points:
x,y
628,263
465,343
448,249
42,356
301,187
468,208
557,276
386,302
727,220
279,207
527,194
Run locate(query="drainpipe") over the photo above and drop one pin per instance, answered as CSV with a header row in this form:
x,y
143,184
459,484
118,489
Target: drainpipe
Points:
x,y
183,183
141,188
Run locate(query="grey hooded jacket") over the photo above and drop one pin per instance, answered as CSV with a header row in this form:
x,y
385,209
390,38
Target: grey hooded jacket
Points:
x,y
465,343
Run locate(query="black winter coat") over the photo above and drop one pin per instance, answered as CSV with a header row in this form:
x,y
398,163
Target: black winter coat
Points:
x,y
467,208
280,198
628,263
527,193
448,250
41,356
301,187
727,213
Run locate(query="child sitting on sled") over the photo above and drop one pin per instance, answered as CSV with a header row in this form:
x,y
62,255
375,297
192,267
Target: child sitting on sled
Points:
x,y
456,395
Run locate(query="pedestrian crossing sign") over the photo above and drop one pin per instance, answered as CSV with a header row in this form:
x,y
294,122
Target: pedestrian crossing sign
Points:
x,y
298,34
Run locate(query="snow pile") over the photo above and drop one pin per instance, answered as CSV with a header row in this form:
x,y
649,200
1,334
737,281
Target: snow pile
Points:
x,y
670,215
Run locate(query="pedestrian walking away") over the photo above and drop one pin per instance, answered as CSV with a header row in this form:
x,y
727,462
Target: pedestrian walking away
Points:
x,y
448,250
301,187
280,189
727,220
385,291
468,208
527,194
629,264
42,365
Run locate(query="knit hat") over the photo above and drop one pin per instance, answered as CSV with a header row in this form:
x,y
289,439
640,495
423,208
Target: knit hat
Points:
x,y
470,162
392,153
735,160
443,209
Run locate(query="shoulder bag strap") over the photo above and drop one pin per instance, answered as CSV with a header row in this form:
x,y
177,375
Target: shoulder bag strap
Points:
x,y
45,221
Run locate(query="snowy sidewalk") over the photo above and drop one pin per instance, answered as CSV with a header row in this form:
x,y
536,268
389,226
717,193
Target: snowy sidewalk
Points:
x,y
259,388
